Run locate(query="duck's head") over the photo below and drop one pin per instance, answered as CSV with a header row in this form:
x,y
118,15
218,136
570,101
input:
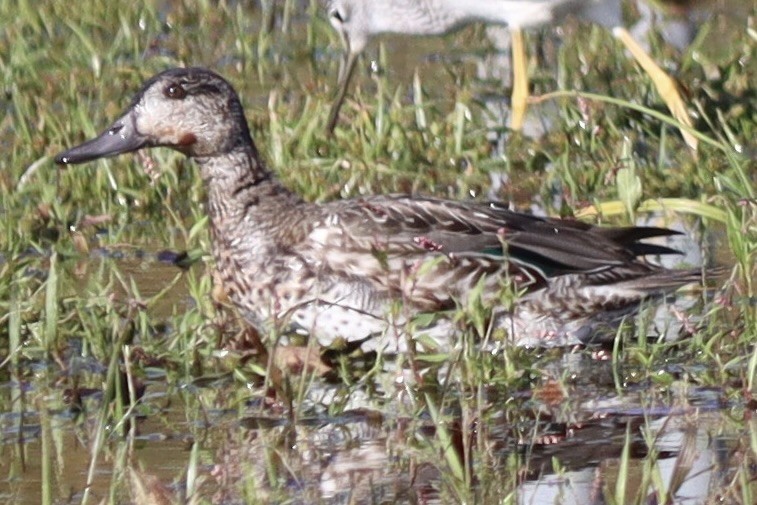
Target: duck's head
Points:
x,y
192,110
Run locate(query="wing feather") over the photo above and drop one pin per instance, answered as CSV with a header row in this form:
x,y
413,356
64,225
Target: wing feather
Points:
x,y
386,239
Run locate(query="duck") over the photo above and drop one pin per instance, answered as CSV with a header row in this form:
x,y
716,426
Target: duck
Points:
x,y
357,22
383,272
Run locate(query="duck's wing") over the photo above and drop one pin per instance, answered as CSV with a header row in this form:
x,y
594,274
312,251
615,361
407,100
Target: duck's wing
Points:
x,y
382,239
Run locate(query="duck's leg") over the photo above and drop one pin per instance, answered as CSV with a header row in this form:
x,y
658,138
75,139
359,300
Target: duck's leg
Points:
x,y
519,99
665,84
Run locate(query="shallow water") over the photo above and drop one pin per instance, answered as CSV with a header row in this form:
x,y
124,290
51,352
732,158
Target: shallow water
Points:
x,y
379,451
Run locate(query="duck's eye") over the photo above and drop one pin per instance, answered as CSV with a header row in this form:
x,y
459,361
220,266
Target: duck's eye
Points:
x,y
336,15
175,91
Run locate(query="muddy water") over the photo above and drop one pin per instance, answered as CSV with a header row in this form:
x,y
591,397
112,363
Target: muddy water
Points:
x,y
372,452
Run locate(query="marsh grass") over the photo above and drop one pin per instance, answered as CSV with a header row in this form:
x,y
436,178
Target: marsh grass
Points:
x,y
470,425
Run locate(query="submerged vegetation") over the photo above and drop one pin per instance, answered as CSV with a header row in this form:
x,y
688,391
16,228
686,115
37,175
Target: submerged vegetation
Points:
x,y
128,377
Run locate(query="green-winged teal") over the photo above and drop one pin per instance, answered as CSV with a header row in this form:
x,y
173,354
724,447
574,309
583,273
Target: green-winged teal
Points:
x,y
357,21
337,269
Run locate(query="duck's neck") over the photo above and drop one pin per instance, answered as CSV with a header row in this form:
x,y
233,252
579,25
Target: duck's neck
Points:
x,y
240,188
248,209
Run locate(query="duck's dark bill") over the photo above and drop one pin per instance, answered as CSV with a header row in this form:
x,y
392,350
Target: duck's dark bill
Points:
x,y
121,137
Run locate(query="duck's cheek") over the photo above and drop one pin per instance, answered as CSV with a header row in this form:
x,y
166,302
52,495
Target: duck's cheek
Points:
x,y
187,143
186,140
172,136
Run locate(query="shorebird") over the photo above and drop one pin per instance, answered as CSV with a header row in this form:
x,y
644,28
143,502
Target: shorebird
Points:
x,y
362,269
358,21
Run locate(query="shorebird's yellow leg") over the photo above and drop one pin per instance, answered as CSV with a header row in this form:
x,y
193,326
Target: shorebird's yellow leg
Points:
x,y
519,98
665,85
